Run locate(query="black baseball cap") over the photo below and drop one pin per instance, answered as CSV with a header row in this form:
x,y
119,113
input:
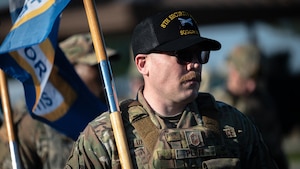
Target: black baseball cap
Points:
x,y
169,31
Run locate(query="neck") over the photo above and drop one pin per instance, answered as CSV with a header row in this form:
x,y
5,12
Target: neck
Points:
x,y
163,106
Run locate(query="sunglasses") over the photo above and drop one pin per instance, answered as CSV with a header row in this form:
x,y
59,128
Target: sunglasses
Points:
x,y
187,56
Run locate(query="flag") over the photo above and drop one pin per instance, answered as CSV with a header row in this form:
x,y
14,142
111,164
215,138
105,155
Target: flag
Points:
x,y
66,103
54,93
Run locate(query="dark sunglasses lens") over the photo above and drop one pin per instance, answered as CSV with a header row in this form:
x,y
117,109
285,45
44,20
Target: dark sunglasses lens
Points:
x,y
185,57
204,57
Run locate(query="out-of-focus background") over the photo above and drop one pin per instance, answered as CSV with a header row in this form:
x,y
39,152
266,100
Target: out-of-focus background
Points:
x,y
274,25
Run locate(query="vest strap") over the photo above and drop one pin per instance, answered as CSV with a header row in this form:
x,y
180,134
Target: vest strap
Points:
x,y
143,124
148,132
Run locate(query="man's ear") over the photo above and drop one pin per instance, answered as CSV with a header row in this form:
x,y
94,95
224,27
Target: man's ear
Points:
x,y
140,62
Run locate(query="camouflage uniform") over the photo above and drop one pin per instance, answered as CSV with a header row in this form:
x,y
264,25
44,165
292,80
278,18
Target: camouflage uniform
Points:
x,y
208,134
257,105
39,145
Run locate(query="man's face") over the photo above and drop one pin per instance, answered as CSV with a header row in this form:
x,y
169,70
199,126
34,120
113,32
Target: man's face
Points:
x,y
235,82
172,80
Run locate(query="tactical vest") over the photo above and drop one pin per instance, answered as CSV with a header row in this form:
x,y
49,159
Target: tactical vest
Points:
x,y
200,146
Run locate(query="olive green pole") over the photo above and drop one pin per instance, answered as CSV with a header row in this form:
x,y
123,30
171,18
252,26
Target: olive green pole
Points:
x,y
115,115
13,146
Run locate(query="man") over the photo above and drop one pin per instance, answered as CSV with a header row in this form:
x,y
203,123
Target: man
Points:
x,y
170,124
245,89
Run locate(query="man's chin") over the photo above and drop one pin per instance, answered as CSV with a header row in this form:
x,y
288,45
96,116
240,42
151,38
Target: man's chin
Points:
x,y
192,95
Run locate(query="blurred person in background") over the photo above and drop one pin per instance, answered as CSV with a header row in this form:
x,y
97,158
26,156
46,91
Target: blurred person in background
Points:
x,y
40,146
245,89
79,50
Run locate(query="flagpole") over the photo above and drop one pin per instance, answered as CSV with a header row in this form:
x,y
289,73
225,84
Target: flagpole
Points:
x,y
115,115
13,146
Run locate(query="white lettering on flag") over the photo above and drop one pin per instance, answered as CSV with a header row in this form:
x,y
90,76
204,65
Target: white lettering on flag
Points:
x,y
49,101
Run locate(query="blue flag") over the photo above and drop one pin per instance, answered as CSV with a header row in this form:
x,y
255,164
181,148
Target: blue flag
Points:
x,y
53,91
66,103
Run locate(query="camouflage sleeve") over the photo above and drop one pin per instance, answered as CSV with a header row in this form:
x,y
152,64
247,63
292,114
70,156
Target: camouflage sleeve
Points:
x,y
95,147
32,142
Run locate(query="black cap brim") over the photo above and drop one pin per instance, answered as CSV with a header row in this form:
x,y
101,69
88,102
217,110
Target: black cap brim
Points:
x,y
188,41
